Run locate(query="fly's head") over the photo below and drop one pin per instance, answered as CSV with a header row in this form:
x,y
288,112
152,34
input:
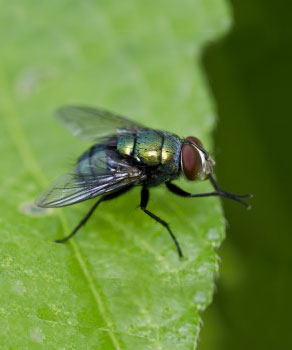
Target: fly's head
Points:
x,y
195,161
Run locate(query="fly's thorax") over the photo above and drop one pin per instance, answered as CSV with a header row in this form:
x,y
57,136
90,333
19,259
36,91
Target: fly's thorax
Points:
x,y
125,144
144,147
169,167
170,154
148,147
153,148
157,151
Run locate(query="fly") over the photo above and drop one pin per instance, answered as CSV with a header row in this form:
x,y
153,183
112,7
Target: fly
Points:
x,y
127,154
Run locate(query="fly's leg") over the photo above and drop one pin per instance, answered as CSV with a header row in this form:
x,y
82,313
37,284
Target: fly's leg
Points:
x,y
143,205
81,223
88,215
218,192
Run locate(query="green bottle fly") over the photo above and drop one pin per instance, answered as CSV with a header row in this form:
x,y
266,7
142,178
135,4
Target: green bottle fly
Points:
x,y
126,154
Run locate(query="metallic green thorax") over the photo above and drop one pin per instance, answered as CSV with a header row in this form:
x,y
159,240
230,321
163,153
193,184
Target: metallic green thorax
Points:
x,y
153,148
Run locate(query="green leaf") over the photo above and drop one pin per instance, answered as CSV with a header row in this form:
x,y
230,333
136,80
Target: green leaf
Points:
x,y
119,284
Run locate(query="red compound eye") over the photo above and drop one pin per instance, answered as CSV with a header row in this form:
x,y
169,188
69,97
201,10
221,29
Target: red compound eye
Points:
x,y
191,159
195,140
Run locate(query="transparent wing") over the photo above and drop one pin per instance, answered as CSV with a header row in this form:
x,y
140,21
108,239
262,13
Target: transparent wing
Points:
x,y
80,186
93,123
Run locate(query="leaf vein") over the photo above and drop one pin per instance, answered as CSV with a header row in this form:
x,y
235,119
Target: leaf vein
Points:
x,y
23,146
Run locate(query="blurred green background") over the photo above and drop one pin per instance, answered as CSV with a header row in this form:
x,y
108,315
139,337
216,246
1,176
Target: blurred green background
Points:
x,y
250,72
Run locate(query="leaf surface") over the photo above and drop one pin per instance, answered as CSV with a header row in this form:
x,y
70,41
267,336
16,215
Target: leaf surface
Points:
x,y
119,284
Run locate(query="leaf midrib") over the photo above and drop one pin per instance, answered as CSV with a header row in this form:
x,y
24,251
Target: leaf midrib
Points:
x,y
24,148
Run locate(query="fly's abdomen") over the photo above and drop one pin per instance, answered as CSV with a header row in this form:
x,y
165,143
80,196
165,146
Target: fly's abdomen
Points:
x,y
93,162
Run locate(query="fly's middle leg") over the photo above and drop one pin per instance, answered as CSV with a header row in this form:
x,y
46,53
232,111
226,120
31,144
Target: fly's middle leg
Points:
x,y
143,206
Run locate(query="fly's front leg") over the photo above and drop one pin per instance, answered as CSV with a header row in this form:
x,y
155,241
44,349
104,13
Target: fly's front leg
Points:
x,y
143,205
218,192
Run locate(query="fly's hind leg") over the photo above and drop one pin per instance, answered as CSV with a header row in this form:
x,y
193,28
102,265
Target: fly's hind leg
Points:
x,y
143,206
91,211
